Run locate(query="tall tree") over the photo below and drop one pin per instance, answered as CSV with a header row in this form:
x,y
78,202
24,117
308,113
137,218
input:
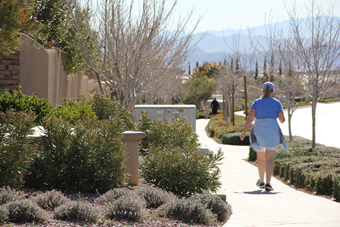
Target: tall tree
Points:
x,y
309,49
202,84
271,70
197,91
232,79
317,41
137,45
59,32
15,17
265,74
256,71
9,26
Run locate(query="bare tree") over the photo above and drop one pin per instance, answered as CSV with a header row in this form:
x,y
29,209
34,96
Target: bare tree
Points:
x,y
289,81
232,79
309,50
317,44
137,43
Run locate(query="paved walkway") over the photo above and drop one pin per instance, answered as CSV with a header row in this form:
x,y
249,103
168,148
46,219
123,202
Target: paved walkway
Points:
x,y
253,207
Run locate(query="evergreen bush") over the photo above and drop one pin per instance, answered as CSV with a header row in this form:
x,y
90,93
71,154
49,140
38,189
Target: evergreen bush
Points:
x,y
74,110
183,171
24,103
85,157
252,155
107,109
313,169
16,150
336,187
161,133
234,139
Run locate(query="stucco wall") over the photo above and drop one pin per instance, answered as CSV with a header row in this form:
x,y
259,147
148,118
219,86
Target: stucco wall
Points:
x,y
42,72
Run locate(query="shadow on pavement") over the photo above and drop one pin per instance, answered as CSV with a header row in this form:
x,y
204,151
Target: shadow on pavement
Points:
x,y
257,192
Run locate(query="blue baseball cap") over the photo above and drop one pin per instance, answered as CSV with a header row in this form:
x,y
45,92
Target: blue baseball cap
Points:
x,y
270,84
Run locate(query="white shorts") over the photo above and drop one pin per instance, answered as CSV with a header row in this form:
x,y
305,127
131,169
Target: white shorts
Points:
x,y
263,149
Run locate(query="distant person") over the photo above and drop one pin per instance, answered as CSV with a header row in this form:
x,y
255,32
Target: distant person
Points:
x,y
214,106
206,112
266,134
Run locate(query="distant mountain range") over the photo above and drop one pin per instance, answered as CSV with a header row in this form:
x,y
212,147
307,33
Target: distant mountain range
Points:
x,y
212,45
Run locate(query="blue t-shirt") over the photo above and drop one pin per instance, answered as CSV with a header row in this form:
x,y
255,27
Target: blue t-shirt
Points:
x,y
267,108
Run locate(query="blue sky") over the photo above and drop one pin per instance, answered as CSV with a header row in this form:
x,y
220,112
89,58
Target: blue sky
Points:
x,y
235,14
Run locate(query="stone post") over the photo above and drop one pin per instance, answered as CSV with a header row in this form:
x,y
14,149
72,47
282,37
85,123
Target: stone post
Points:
x,y
131,139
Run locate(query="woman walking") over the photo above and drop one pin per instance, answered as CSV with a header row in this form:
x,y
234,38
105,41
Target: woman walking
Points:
x,y
266,134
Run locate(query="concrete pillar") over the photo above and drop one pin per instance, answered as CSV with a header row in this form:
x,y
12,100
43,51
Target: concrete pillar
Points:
x,y
131,139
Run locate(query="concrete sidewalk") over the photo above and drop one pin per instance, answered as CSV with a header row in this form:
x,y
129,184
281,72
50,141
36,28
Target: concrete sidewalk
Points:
x,y
254,207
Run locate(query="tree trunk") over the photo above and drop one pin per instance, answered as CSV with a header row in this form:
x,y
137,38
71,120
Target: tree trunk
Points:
x,y
288,101
232,114
314,102
290,127
245,96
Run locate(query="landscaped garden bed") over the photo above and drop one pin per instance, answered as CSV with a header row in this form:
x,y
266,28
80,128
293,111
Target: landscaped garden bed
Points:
x,y
74,174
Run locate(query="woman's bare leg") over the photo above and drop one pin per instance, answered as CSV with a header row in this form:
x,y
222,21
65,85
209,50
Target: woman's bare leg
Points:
x,y
261,163
269,156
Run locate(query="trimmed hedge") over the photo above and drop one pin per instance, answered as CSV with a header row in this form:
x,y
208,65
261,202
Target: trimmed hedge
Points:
x,y
234,139
252,155
313,173
317,170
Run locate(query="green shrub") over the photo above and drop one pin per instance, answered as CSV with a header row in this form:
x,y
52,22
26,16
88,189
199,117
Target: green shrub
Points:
x,y
85,157
106,109
8,195
48,168
219,127
234,139
77,211
50,200
4,214
126,208
161,133
189,211
155,197
183,171
215,204
24,210
252,155
74,110
24,103
324,183
16,151
309,169
112,195
336,187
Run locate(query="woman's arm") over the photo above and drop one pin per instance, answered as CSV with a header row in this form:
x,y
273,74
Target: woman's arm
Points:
x,y
249,120
282,117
